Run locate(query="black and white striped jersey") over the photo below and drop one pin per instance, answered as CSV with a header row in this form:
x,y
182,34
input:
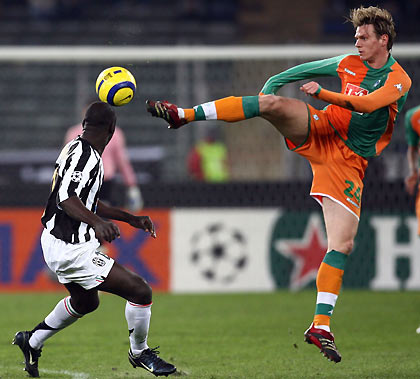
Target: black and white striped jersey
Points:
x,y
78,172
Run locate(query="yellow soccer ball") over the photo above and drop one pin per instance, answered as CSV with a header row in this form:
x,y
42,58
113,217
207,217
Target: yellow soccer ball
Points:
x,y
116,86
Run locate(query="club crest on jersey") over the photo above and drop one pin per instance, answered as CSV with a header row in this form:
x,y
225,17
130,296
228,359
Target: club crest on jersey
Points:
x,y
76,176
398,87
353,90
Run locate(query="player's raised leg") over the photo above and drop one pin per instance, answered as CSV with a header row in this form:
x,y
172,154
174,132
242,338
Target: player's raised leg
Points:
x,y
289,116
137,292
341,227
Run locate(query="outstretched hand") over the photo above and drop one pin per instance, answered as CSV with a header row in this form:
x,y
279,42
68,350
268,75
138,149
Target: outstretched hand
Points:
x,y
310,88
143,222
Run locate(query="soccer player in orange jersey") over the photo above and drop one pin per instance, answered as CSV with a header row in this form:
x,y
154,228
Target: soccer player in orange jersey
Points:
x,y
357,124
412,133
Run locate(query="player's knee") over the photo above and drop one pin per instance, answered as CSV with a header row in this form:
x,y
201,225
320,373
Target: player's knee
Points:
x,y
346,247
85,306
272,106
142,292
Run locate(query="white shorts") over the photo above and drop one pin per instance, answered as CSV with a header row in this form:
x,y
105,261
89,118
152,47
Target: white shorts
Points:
x,y
79,263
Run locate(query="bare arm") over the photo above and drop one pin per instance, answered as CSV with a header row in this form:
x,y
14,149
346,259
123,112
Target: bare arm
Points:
x,y
140,222
104,230
412,159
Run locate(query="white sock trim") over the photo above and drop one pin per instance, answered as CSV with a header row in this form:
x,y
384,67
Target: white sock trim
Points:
x,y
210,110
326,298
70,310
323,327
139,305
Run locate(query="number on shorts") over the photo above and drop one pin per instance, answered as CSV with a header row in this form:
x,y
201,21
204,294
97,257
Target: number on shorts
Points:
x,y
349,191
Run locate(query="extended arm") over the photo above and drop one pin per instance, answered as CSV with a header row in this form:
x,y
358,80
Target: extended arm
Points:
x,y
365,104
104,230
412,177
140,222
324,67
395,87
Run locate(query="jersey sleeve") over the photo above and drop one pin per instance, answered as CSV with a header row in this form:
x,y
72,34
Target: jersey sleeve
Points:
x,y
411,136
75,170
324,67
396,86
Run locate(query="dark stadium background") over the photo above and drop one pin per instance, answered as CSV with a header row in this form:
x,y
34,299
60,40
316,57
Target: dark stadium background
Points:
x,y
35,114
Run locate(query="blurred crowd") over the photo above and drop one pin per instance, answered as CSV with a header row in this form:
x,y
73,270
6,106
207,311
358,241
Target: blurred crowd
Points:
x,y
243,21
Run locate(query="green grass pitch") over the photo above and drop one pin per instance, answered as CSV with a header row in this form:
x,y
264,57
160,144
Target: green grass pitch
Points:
x,y
225,336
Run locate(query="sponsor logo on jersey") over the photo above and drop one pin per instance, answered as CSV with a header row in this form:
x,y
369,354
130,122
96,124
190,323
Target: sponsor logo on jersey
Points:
x,y
353,90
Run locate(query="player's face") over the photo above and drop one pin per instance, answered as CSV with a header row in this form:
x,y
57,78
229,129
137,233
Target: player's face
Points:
x,y
369,46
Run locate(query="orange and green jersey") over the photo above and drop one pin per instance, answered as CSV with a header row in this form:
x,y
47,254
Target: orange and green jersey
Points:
x,y
412,126
365,111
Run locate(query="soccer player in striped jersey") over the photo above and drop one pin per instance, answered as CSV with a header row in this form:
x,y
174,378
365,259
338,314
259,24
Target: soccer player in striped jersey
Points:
x,y
75,222
357,124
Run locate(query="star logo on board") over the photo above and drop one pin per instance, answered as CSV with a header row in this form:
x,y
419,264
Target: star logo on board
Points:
x,y
306,253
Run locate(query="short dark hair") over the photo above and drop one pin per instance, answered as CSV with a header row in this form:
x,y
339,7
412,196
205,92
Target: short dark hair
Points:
x,y
99,114
380,18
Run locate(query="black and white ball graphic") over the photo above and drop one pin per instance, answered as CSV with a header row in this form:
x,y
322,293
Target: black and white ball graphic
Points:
x,y
219,252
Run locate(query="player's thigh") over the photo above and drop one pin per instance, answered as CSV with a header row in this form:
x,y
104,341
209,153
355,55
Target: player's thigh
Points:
x,y
127,284
289,116
341,226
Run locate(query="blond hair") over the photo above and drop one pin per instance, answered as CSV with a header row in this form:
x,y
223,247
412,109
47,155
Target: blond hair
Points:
x,y
381,20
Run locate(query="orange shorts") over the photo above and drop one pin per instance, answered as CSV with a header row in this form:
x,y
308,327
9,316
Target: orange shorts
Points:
x,y
337,171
